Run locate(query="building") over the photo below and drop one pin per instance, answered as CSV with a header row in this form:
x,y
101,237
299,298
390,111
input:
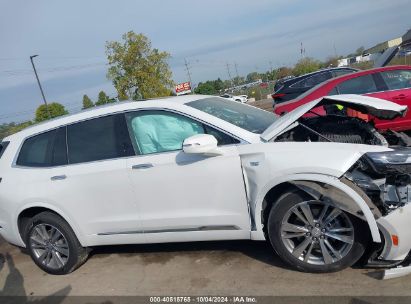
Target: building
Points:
x,y
381,47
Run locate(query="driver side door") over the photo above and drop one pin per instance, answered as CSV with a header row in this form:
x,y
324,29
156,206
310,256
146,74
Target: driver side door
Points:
x,y
185,197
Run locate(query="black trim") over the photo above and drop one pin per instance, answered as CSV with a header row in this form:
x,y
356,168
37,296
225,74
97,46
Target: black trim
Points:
x,y
191,229
3,146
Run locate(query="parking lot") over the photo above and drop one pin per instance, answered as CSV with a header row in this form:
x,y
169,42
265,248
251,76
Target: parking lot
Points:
x,y
206,268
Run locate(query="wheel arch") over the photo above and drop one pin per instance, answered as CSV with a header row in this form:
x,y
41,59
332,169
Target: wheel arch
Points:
x,y
31,210
349,198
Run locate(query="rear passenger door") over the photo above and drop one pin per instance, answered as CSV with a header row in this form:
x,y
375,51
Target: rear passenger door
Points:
x,y
101,196
80,171
398,83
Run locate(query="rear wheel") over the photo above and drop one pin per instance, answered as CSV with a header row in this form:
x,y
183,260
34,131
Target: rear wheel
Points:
x,y
52,244
314,236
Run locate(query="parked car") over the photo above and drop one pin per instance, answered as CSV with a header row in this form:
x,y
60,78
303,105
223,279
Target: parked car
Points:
x,y
391,83
239,98
292,87
197,168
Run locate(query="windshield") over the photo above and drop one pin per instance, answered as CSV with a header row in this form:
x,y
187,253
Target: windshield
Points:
x,y
244,116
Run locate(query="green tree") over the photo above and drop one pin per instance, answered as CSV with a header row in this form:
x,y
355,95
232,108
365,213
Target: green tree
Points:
x,y
87,103
205,88
284,72
11,128
102,99
138,70
218,85
306,65
254,76
55,109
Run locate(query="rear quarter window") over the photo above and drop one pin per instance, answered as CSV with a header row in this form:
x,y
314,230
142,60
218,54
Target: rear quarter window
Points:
x,y
44,150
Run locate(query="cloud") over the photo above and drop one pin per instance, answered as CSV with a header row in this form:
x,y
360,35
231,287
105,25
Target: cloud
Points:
x,y
209,33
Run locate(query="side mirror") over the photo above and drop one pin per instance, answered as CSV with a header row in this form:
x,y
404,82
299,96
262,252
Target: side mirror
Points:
x,y
201,144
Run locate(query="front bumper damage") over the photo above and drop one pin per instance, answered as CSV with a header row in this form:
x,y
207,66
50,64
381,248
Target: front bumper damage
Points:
x,y
386,180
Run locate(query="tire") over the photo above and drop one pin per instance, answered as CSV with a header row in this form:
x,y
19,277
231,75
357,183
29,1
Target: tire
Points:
x,y
304,246
52,244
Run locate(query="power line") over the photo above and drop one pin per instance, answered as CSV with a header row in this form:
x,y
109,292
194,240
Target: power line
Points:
x,y
23,72
188,70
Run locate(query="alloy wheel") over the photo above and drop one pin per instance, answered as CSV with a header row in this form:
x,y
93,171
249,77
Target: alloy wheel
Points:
x,y
49,245
317,233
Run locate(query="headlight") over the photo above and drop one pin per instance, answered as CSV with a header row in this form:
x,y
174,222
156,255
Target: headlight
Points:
x,y
390,161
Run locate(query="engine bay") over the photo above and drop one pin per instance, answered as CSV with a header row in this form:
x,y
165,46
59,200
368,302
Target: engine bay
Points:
x,y
387,184
339,128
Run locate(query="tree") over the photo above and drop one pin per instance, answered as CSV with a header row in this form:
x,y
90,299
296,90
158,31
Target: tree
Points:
x,y
206,88
360,51
55,109
102,99
306,65
11,128
331,62
87,103
284,72
138,70
254,76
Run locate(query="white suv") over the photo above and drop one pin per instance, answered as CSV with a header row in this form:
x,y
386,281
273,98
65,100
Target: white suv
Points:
x,y
196,168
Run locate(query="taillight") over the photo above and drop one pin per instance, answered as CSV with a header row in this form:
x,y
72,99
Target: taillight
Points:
x,y
277,95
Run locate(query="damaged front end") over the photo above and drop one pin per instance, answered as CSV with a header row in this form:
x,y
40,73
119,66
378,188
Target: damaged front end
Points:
x,y
386,179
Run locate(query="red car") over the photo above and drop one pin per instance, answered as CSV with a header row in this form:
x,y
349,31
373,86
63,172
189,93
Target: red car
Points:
x,y
392,83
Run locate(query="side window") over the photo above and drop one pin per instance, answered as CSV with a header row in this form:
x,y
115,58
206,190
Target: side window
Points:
x,y
44,150
359,85
313,80
398,79
98,139
222,138
161,131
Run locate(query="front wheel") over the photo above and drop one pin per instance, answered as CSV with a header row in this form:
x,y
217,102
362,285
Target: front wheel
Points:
x,y
52,244
314,236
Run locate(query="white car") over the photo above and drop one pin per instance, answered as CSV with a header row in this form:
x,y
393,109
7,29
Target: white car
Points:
x,y
198,168
239,98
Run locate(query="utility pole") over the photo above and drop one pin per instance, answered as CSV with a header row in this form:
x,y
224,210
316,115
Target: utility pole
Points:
x,y
229,74
41,89
335,51
188,70
236,72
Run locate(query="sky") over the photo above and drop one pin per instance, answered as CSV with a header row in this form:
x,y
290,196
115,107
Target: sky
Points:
x,y
70,38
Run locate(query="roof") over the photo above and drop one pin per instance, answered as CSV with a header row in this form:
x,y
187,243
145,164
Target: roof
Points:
x,y
108,109
337,80
296,78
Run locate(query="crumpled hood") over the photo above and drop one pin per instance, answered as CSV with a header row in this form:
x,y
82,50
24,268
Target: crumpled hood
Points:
x,y
379,108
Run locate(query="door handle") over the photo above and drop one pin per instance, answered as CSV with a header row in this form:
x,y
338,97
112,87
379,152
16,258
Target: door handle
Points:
x,y
58,177
142,166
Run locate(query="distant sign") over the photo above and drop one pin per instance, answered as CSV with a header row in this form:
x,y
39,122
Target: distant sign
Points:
x,y
183,88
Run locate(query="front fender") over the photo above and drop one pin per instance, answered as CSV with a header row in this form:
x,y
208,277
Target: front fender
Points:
x,y
357,199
